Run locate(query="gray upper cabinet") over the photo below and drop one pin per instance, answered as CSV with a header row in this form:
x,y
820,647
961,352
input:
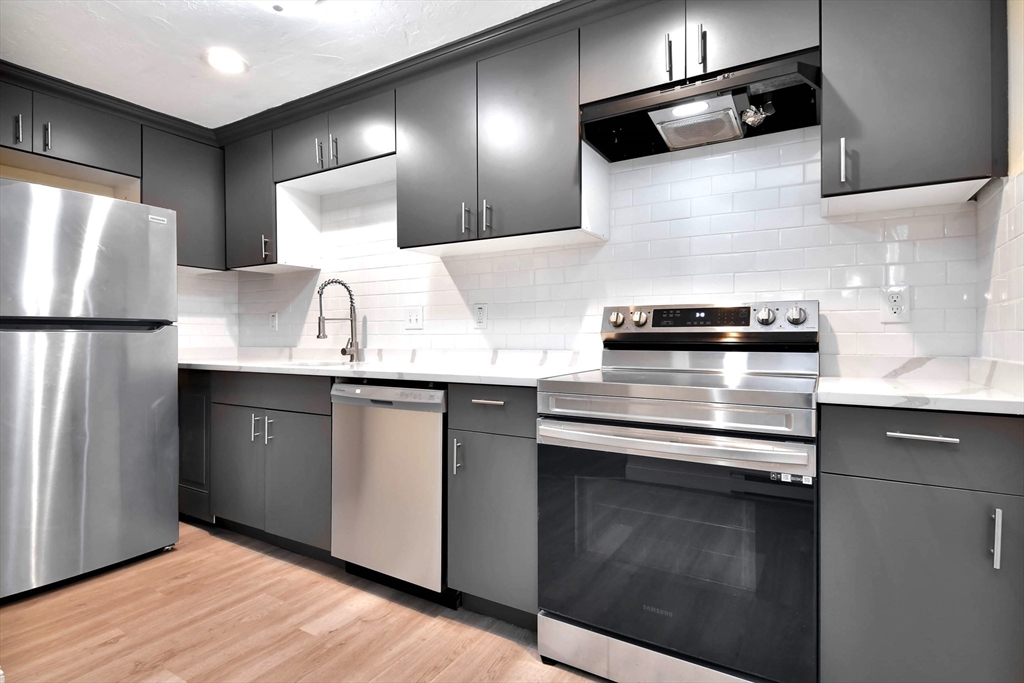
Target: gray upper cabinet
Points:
x,y
188,177
301,148
69,131
908,91
492,518
632,51
238,470
909,591
362,130
15,117
528,138
250,202
722,35
298,477
436,158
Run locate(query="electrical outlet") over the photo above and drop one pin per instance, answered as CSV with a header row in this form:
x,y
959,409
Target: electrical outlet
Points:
x,y
895,304
479,316
273,321
414,318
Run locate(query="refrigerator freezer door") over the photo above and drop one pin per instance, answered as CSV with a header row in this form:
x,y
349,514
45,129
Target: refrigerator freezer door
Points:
x,y
88,451
66,254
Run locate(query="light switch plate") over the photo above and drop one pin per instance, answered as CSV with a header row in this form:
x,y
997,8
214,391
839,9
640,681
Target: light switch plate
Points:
x,y
479,316
895,304
414,318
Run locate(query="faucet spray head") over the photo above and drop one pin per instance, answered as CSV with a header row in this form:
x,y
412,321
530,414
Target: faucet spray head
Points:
x,y
321,327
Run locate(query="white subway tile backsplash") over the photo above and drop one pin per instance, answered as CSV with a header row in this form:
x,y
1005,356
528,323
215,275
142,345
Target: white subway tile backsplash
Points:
x,y
779,177
757,158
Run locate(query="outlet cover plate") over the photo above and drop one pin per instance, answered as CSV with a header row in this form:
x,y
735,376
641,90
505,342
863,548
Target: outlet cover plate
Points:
x,y
414,318
479,316
273,321
895,304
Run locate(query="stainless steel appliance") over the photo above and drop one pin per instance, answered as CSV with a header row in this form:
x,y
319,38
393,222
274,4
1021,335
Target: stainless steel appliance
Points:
x,y
677,497
88,383
388,480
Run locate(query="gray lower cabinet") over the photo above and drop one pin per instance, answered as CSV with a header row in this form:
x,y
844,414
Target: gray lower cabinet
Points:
x,y
15,117
636,50
239,474
298,477
528,152
722,35
301,148
188,177
436,158
250,202
362,130
69,131
908,587
492,517
883,64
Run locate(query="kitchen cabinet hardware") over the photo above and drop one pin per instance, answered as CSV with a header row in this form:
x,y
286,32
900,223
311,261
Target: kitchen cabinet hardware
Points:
x,y
922,437
483,218
18,136
487,402
253,433
263,242
266,429
668,55
47,127
455,457
463,218
997,545
702,54
842,160
319,152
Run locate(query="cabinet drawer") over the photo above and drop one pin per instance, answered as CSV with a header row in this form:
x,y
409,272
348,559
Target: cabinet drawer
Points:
x,y
988,456
296,393
493,409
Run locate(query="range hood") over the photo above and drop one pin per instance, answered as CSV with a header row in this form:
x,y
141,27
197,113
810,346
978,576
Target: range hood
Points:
x,y
758,100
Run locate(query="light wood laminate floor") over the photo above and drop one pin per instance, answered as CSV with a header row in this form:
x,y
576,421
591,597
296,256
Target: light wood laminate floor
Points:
x,y
224,607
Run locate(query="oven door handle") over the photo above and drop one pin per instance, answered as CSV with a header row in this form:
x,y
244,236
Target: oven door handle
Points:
x,y
756,454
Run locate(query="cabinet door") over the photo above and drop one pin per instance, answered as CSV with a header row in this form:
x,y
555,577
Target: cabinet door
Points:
x,y
188,177
884,65
362,130
529,140
635,50
722,35
69,131
250,202
300,148
908,588
193,439
236,447
15,117
492,517
298,483
436,158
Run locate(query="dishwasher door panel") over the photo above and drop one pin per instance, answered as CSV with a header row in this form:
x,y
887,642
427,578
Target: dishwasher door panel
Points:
x,y
387,491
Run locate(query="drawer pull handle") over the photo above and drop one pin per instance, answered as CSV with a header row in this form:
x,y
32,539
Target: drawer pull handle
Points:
x,y
922,437
455,457
487,402
997,546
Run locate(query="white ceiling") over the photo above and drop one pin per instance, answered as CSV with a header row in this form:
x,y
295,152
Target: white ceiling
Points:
x,y
150,51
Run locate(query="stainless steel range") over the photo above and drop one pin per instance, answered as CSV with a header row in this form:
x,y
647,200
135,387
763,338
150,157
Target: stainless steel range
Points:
x,y
677,497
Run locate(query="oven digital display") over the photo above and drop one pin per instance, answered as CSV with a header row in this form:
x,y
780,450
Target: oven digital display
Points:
x,y
701,317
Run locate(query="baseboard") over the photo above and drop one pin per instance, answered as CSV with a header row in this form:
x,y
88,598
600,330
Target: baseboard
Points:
x,y
516,617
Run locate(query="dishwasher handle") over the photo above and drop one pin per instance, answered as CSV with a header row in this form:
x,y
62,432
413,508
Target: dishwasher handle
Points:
x,y
390,398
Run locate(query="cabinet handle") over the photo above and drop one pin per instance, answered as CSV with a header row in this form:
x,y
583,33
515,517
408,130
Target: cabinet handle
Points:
x,y
922,437
19,138
264,241
319,152
463,218
702,49
997,546
842,160
483,223
668,55
46,136
254,433
266,429
487,402
455,457
331,142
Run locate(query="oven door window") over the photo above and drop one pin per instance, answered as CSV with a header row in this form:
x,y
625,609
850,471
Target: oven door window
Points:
x,y
711,563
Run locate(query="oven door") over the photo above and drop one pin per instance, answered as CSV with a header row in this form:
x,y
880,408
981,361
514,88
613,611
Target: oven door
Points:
x,y
665,541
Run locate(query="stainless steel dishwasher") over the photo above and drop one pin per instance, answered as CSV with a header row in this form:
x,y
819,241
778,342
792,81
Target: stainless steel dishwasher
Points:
x,y
388,480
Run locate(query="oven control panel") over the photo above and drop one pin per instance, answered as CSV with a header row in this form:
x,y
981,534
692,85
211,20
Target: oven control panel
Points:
x,y
766,316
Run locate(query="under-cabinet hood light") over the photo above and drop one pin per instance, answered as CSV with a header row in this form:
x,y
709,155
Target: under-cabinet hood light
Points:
x,y
226,60
690,108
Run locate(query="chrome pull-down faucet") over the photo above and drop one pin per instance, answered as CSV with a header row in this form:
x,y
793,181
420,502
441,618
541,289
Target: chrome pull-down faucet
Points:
x,y
351,348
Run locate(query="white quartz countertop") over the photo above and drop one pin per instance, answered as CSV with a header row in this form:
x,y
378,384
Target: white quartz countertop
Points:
x,y
518,376
923,394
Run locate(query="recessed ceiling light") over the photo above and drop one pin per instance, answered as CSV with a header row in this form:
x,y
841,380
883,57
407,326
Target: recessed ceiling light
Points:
x,y
226,60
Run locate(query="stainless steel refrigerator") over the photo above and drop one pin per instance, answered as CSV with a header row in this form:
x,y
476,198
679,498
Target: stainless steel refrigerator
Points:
x,y
88,383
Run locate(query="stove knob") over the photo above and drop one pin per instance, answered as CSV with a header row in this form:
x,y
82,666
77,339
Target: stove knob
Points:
x,y
766,316
639,318
616,319
796,315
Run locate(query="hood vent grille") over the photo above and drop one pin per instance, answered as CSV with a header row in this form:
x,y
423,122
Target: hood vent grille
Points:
x,y
701,129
